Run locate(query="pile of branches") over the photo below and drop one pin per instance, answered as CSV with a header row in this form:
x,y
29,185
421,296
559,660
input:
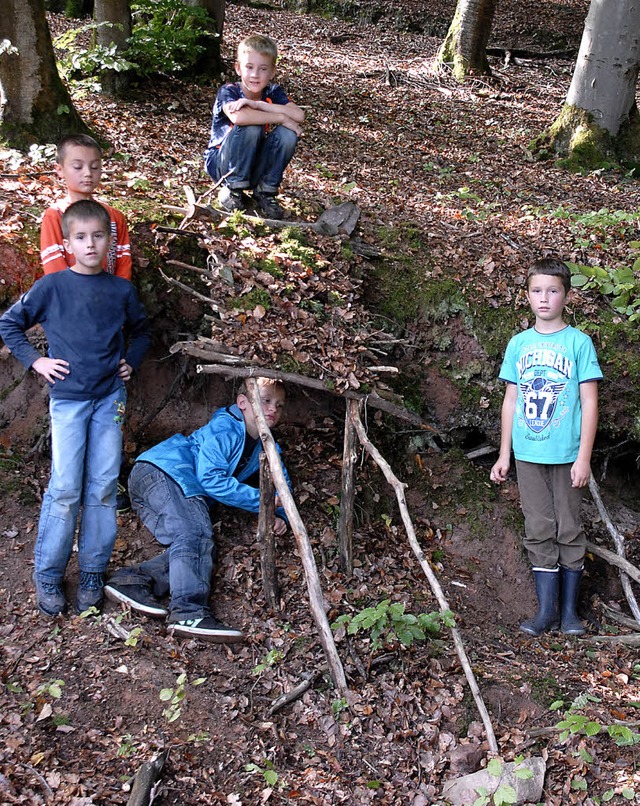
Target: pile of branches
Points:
x,y
285,300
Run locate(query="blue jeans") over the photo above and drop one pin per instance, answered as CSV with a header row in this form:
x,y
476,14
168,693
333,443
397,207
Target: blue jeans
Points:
x,y
184,525
255,160
86,448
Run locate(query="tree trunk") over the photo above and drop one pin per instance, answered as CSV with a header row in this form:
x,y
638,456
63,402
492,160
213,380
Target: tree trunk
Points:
x,y
118,14
465,45
599,122
35,106
209,62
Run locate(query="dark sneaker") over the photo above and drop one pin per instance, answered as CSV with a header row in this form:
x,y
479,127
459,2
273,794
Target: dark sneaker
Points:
x,y
207,628
123,504
268,204
90,591
137,597
230,199
50,598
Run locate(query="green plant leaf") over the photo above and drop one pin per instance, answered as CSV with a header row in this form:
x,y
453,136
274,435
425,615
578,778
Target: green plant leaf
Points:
x,y
494,767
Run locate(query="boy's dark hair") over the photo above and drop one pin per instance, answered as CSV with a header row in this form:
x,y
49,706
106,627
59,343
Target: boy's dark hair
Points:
x,y
261,44
275,383
553,267
75,140
85,210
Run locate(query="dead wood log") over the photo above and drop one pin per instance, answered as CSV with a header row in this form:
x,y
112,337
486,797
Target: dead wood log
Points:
x,y
202,351
618,541
145,781
373,399
338,220
398,488
302,541
345,522
267,538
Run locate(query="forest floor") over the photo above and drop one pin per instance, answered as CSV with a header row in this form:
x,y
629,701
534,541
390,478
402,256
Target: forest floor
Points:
x,y
447,189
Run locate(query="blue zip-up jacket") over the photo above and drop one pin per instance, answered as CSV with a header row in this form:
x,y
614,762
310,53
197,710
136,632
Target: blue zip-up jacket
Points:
x,y
203,463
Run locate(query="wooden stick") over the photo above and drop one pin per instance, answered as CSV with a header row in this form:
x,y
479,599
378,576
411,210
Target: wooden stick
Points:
x,y
187,289
618,541
145,780
615,559
345,522
302,540
398,487
266,536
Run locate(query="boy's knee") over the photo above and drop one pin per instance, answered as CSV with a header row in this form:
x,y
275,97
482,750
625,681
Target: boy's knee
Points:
x,y
288,138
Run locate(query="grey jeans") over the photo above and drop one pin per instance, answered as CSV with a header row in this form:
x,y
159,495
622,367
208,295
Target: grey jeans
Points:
x,y
551,507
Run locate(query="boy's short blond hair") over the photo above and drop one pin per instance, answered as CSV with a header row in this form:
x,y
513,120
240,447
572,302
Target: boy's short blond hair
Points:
x,y
273,383
261,44
83,140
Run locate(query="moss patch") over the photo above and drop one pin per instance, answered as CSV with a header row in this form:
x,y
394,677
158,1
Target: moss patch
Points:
x,y
577,142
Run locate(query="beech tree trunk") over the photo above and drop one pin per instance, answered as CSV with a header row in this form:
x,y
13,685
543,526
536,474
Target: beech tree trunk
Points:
x,y
465,45
599,122
209,62
35,106
118,14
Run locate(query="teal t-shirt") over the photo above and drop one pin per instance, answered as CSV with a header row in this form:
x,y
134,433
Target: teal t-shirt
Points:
x,y
548,369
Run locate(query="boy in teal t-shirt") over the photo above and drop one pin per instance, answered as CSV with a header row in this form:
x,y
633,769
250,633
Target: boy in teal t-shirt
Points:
x,y
550,415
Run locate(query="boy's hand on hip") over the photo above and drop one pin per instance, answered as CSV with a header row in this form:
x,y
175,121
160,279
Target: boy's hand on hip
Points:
x,y
580,473
53,369
125,371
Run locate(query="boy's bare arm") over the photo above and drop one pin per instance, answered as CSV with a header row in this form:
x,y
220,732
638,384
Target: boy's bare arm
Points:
x,y
258,113
581,468
501,468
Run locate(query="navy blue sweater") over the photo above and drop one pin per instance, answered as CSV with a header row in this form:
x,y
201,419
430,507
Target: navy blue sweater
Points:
x,y
85,318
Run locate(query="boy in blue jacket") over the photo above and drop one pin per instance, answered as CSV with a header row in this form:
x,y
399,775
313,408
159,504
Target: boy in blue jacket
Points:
x,y
171,487
98,333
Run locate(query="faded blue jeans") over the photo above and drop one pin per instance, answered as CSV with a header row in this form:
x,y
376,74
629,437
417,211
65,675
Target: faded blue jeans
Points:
x,y
184,525
255,160
86,448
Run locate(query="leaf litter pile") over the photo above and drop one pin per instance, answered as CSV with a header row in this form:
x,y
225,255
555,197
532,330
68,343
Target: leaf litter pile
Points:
x,y
446,189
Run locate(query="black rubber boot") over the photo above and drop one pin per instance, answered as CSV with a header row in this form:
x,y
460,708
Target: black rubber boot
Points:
x,y
570,624
547,585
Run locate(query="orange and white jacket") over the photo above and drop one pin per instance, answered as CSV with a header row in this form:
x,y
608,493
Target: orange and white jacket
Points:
x,y
55,257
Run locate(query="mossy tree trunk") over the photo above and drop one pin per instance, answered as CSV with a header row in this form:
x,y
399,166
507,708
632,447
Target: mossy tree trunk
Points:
x,y
599,123
116,14
465,46
35,105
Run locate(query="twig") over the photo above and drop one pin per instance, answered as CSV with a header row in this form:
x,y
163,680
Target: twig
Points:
x,y
618,541
628,640
191,291
302,542
267,538
289,696
620,618
398,487
615,559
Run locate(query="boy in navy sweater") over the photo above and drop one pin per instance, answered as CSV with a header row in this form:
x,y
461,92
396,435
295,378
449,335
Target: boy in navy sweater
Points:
x,y
85,313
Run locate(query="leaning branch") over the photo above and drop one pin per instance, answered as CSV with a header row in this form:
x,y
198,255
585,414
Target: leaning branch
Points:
x,y
398,487
302,540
